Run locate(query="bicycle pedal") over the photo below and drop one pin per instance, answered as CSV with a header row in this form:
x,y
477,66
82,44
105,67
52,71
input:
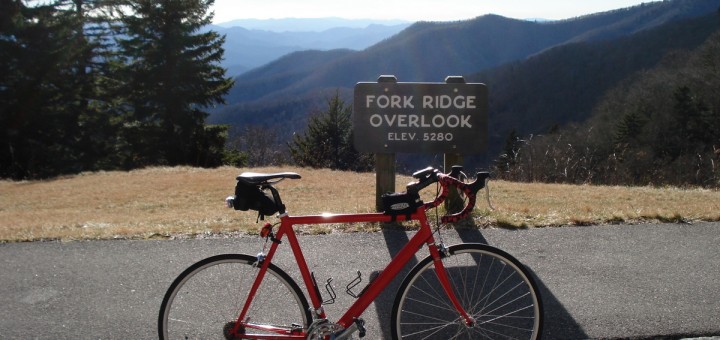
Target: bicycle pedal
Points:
x,y
360,324
296,329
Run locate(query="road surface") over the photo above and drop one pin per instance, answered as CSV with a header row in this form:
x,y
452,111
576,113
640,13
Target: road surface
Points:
x,y
625,281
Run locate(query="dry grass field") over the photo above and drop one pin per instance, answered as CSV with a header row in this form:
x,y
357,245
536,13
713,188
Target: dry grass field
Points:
x,y
189,202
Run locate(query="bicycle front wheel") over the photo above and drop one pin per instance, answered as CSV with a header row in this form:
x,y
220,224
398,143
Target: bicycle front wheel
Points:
x,y
205,301
494,288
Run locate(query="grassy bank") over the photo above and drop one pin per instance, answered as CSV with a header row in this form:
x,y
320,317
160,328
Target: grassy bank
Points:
x,y
167,202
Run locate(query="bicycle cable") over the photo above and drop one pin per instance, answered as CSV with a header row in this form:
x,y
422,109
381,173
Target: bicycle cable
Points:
x,y
487,193
437,214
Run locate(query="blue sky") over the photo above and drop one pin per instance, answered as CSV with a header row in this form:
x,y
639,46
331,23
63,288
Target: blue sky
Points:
x,y
411,10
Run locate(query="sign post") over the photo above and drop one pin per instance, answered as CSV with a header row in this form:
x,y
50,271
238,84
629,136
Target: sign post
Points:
x,y
391,117
384,163
453,203
384,176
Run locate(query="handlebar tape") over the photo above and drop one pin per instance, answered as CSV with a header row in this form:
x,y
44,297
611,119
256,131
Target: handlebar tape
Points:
x,y
470,190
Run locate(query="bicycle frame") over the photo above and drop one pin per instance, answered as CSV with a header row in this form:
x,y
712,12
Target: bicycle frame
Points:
x,y
423,236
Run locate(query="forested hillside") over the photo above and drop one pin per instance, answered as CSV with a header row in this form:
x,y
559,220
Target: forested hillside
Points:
x,y
263,81
564,84
660,126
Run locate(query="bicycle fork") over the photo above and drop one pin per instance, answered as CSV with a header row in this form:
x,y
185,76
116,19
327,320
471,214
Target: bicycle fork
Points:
x,y
442,275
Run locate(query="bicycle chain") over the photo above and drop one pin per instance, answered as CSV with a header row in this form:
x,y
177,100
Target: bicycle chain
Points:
x,y
319,329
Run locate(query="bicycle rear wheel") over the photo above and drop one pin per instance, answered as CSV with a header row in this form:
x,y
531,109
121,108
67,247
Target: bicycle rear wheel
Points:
x,y
492,286
205,301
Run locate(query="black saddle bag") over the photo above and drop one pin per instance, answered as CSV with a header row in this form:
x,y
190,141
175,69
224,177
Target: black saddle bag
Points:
x,y
251,197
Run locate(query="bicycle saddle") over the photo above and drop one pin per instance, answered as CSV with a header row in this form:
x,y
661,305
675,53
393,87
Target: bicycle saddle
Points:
x,y
256,178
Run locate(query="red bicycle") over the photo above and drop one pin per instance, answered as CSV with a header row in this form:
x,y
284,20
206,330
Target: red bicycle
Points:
x,y
463,291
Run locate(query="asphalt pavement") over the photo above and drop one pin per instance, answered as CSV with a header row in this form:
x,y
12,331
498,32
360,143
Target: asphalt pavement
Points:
x,y
602,282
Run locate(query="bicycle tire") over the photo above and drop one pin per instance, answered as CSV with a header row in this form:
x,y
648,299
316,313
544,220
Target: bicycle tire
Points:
x,y
207,297
492,286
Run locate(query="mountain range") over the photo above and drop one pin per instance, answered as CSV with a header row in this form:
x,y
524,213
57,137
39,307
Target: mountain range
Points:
x,y
253,43
306,24
540,74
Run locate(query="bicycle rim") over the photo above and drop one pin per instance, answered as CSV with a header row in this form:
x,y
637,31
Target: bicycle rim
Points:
x,y
492,286
206,299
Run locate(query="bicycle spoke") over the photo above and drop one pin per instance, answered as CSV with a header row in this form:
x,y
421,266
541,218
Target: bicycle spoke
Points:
x,y
205,301
492,289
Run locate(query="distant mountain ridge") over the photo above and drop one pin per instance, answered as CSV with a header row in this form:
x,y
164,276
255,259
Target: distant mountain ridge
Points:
x,y
430,51
306,24
246,48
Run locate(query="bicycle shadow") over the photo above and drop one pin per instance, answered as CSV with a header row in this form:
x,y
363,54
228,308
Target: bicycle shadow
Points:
x,y
557,324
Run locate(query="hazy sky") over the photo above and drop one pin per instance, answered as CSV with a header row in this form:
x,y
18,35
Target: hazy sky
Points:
x,y
412,10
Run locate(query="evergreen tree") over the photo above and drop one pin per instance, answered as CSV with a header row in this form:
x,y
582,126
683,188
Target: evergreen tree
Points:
x,y
694,118
172,75
94,80
628,129
327,143
38,93
507,161
50,94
